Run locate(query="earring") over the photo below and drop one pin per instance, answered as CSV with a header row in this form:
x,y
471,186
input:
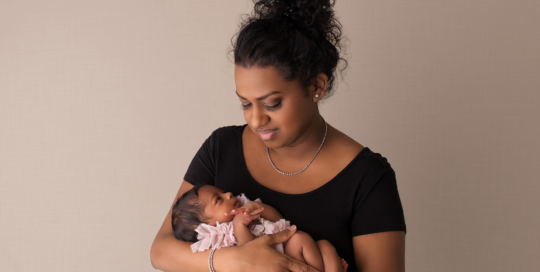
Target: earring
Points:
x,y
317,95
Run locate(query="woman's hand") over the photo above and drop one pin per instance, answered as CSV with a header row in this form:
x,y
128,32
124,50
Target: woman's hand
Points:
x,y
259,255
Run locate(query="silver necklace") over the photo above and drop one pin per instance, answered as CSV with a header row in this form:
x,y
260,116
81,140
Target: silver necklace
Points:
x,y
292,174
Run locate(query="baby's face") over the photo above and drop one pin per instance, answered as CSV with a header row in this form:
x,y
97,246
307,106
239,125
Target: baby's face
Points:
x,y
217,203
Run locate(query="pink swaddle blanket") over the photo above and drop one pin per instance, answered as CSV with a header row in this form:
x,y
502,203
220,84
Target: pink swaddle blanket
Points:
x,y
222,235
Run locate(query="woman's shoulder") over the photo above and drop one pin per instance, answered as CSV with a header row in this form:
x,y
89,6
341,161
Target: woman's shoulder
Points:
x,y
350,150
227,132
230,129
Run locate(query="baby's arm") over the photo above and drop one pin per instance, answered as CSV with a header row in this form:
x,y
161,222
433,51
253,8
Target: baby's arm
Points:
x,y
241,222
247,213
270,214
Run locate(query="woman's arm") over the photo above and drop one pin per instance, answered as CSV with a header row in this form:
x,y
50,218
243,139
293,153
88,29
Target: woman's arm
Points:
x,y
170,254
383,251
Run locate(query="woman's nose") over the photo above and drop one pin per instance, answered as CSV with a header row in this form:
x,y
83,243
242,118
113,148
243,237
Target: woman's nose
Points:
x,y
258,117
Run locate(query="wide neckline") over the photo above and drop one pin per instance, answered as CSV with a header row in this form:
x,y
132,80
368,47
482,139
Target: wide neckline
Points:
x,y
252,179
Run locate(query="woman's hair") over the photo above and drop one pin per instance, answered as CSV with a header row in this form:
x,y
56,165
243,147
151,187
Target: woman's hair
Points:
x,y
300,38
187,214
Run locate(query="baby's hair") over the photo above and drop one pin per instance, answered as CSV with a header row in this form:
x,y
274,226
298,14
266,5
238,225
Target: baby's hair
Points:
x,y
187,214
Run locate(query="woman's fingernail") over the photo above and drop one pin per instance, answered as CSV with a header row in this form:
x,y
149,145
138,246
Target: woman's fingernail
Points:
x,y
293,227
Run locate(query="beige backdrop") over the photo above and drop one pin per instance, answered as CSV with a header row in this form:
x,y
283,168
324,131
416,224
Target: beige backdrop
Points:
x,y
103,104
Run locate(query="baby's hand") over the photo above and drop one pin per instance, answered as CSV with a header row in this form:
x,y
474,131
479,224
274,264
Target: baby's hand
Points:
x,y
246,209
246,218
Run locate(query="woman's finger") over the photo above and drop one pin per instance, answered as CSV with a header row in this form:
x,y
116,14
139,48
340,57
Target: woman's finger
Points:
x,y
279,237
297,266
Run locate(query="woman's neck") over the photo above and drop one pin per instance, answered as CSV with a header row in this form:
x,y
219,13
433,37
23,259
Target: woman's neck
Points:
x,y
305,146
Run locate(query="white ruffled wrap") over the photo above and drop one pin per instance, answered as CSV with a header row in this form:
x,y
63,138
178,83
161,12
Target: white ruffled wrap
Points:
x,y
222,235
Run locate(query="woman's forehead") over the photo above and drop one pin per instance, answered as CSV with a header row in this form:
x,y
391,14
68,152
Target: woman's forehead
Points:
x,y
255,82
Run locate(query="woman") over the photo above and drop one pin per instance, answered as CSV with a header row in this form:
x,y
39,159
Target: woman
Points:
x,y
326,183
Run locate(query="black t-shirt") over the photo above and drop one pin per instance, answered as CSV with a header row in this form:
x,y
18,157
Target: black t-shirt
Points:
x,y
362,199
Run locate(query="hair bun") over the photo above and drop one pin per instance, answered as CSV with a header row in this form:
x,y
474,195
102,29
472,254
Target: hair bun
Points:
x,y
301,38
306,11
315,14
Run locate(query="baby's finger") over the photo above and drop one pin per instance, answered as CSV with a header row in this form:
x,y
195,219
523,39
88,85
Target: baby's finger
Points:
x,y
255,215
257,211
234,212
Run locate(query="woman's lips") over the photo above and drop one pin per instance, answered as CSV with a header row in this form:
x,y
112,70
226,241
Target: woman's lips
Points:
x,y
267,134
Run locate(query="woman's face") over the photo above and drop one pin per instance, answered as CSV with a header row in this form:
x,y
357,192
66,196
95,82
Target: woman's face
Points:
x,y
217,203
278,111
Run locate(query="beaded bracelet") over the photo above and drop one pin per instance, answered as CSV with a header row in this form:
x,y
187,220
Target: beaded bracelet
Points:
x,y
210,262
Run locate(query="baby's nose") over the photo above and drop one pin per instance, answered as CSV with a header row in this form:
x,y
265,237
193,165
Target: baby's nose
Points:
x,y
228,195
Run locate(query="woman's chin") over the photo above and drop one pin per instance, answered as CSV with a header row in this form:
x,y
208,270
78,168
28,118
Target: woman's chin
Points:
x,y
273,146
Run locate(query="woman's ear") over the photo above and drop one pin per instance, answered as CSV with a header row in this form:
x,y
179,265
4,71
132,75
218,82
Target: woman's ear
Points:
x,y
321,83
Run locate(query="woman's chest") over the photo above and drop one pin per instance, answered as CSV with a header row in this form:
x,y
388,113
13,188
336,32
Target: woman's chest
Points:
x,y
323,169
262,172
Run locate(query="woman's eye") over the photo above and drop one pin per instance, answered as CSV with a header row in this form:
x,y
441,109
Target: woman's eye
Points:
x,y
245,106
270,108
274,107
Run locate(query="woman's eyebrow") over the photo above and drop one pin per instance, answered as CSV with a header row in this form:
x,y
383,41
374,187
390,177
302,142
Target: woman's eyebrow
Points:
x,y
262,97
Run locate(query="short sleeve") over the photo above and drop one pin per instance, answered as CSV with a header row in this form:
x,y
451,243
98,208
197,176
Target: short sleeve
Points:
x,y
381,209
201,170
